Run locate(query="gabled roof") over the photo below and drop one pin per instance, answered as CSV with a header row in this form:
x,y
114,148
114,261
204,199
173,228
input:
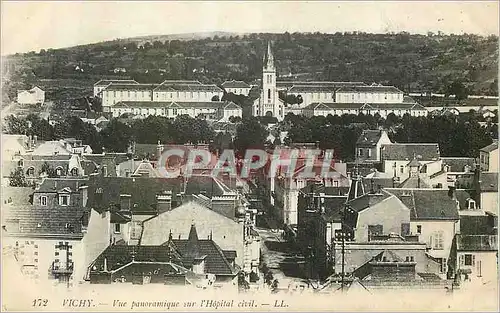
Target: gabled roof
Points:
x,y
235,84
368,200
174,104
490,147
232,106
51,221
369,137
406,151
125,87
105,82
427,204
51,148
384,89
317,84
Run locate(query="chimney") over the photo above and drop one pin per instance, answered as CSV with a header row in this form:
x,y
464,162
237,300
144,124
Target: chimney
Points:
x,y
164,202
451,192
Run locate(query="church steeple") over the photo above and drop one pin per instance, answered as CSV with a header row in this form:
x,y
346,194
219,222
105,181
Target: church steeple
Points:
x,y
270,58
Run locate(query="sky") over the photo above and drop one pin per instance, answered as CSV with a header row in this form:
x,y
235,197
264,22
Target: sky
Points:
x,y
34,25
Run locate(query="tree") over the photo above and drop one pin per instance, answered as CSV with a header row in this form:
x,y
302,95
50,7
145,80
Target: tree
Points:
x,y
250,134
458,89
215,98
15,125
49,170
17,178
116,136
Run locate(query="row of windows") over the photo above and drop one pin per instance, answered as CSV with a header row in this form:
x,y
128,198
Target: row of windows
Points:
x,y
188,95
63,200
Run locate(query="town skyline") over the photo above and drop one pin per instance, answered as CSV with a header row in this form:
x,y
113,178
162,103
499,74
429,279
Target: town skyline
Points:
x,y
21,20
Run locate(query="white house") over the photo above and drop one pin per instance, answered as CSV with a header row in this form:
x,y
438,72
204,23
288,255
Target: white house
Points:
x,y
488,158
33,96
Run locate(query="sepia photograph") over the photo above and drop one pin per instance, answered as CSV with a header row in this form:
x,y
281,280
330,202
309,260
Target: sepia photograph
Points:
x,y
249,156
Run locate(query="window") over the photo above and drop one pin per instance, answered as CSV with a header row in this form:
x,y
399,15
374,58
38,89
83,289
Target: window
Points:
x,y
471,204
269,94
117,228
74,171
401,169
30,172
20,163
64,200
419,229
437,241
360,152
374,230
58,171
469,260
43,200
369,152
444,266
174,111
136,231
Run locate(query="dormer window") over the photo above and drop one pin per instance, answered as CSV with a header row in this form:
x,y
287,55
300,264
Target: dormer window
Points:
x,y
74,171
43,200
471,204
20,163
59,171
64,200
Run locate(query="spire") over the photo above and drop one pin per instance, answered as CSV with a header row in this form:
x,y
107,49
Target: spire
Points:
x,y
270,57
192,249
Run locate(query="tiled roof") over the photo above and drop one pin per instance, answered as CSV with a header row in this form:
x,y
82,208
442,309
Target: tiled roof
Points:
x,y
458,164
477,243
43,221
428,204
318,83
16,195
369,137
143,190
368,200
312,89
488,181
215,262
384,89
134,87
333,106
55,184
406,151
174,104
197,86
477,225
490,147
105,82
235,84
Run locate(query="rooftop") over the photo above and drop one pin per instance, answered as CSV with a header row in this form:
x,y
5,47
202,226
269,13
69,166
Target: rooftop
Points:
x,y
369,137
427,204
235,84
407,151
490,147
105,82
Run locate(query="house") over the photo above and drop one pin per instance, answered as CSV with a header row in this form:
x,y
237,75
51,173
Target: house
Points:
x,y
477,248
33,96
48,235
103,83
486,186
237,87
412,161
340,108
488,158
143,197
35,167
434,219
65,146
369,144
319,218
231,232
187,261
285,187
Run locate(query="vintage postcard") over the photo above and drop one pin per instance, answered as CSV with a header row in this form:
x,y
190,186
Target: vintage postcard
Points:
x,y
249,156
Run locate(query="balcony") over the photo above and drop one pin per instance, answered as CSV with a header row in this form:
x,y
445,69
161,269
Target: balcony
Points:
x,y
62,267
